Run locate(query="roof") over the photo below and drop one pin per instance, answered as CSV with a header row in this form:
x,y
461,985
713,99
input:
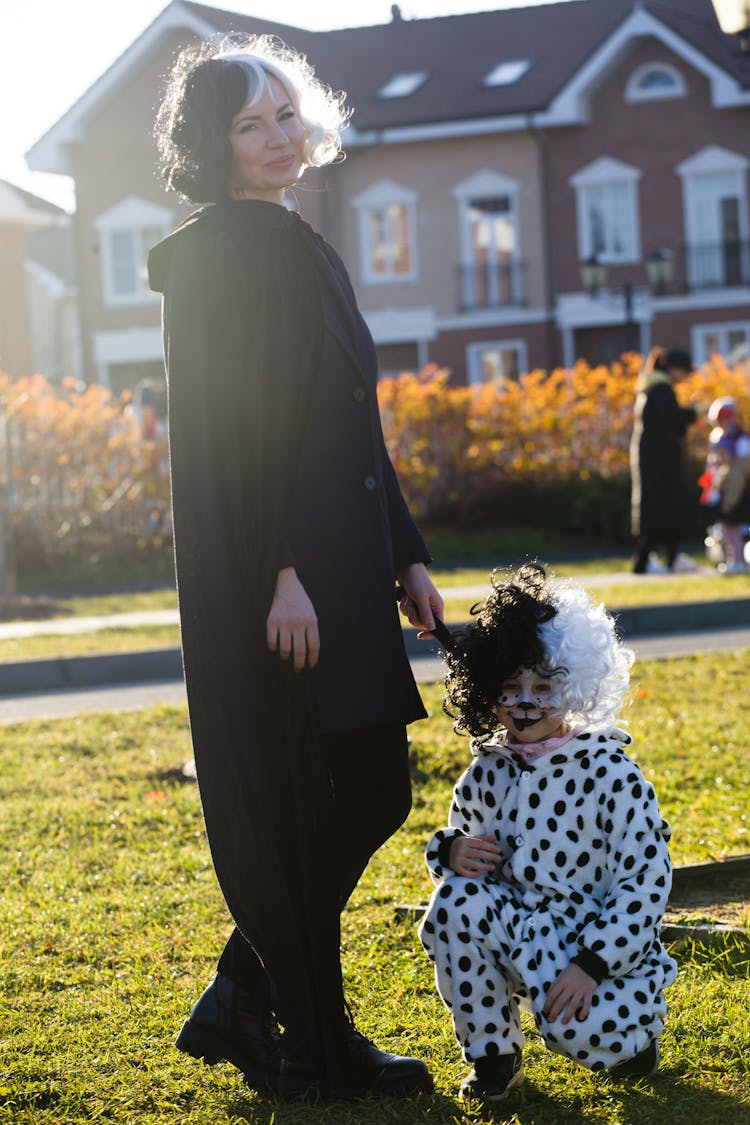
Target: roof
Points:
x,y
563,43
24,209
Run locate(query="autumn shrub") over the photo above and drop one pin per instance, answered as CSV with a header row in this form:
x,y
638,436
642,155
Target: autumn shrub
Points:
x,y
79,479
82,480
547,450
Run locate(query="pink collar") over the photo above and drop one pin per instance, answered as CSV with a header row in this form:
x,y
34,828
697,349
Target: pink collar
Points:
x,y
530,751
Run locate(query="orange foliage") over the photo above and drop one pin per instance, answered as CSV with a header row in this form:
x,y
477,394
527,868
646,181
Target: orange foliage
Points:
x,y
460,447
77,478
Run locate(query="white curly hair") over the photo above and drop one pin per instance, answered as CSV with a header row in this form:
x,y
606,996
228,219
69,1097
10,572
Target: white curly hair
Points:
x,y
581,641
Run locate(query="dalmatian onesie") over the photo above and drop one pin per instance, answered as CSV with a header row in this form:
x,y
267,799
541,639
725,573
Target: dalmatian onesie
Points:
x,y
585,874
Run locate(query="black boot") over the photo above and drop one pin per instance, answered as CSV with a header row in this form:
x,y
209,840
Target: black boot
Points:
x,y
380,1072
369,1071
646,1062
225,1024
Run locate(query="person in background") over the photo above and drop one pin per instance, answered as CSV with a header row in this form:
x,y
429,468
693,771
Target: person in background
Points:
x,y
662,501
726,481
291,533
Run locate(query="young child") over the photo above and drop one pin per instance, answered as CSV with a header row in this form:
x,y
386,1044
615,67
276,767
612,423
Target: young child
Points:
x,y
726,481
553,874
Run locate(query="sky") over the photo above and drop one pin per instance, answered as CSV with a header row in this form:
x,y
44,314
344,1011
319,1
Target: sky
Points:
x,y
52,51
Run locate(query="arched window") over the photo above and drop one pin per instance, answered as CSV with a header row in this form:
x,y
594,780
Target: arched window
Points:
x,y
653,81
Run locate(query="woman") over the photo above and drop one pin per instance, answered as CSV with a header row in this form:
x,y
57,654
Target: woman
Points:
x,y
662,504
290,533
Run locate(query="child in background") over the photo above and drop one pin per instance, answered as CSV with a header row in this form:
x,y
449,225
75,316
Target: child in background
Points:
x,y
726,481
553,873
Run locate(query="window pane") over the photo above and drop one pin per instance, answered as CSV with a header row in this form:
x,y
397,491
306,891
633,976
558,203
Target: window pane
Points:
x,y
398,215
378,239
122,257
656,80
389,241
610,220
495,362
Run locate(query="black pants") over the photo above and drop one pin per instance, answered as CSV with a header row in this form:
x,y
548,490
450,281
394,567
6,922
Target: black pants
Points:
x,y
645,545
372,787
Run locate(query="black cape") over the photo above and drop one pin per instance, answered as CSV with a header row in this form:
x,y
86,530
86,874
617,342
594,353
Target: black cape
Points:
x,y
663,504
242,338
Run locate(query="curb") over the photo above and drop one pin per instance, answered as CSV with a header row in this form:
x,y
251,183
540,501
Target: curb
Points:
x,y
647,621
56,674
53,675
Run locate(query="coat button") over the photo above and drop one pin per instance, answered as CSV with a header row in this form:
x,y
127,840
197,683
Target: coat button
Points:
x,y
518,841
360,394
370,484
525,775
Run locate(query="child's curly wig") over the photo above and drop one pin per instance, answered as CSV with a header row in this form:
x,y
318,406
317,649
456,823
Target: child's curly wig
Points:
x,y
209,84
530,620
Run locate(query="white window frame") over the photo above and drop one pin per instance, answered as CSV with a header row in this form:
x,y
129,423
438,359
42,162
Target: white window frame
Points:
x,y
710,161
385,193
700,332
633,92
474,352
604,173
486,184
132,216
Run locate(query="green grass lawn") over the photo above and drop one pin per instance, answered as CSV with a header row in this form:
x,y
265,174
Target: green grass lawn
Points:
x,y
616,595
656,590
46,646
112,922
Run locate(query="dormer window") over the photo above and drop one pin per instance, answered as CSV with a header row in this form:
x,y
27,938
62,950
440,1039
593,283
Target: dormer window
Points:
x,y
506,73
403,85
654,81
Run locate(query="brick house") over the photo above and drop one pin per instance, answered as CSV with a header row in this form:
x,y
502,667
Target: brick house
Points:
x,y
489,156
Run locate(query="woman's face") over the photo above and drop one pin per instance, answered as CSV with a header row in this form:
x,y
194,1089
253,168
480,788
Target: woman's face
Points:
x,y
530,706
268,147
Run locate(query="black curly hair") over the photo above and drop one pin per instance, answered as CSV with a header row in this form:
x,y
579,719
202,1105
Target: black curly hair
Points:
x,y
503,638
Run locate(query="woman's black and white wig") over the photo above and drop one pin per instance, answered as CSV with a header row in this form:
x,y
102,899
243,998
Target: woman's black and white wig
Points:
x,y
208,86
530,620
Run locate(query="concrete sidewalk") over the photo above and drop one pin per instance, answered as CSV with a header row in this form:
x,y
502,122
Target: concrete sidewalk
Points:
x,y
428,667
698,620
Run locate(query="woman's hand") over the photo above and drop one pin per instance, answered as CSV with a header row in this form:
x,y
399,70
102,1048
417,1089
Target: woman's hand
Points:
x,y
653,358
570,995
292,624
472,855
421,599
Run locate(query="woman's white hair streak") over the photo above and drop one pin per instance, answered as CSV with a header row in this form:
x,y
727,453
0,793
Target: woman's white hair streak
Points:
x,y
582,641
321,111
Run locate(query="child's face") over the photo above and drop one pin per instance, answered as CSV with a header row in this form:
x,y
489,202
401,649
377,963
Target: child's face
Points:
x,y
530,707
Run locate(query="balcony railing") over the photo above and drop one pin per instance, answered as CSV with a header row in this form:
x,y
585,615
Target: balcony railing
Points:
x,y
490,285
716,265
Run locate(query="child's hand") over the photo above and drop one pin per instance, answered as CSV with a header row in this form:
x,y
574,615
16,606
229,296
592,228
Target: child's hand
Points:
x,y
569,995
472,855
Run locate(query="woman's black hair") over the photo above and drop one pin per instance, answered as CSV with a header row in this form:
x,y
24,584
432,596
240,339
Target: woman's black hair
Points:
x,y
503,638
673,357
202,97
677,357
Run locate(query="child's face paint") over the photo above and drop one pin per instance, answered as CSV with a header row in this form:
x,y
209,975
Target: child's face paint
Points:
x,y
530,706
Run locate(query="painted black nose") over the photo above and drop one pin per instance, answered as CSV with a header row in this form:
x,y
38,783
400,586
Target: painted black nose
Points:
x,y
525,706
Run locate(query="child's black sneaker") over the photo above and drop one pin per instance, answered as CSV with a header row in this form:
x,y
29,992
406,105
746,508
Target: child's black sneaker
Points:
x,y
644,1063
493,1077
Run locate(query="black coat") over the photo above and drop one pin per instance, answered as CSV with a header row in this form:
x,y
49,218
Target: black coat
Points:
x,y
277,457
663,503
